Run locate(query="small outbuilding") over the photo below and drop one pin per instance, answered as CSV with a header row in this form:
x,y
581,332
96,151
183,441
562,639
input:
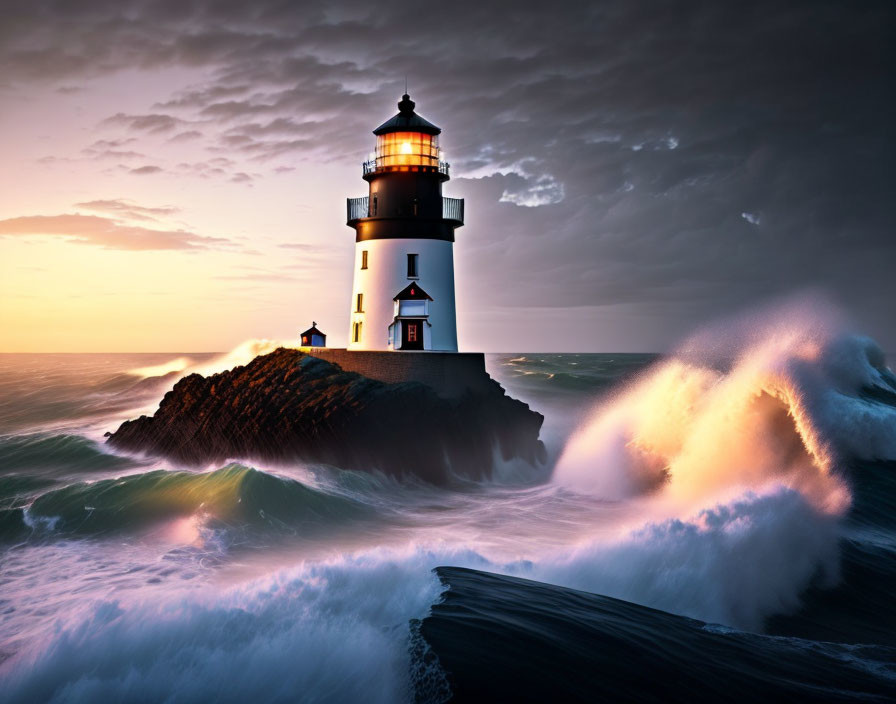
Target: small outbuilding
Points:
x,y
410,328
313,337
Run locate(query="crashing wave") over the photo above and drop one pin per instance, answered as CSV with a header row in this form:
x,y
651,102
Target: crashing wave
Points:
x,y
787,407
737,448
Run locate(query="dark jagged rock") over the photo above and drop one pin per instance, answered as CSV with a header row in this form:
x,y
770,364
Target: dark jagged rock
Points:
x,y
505,639
287,405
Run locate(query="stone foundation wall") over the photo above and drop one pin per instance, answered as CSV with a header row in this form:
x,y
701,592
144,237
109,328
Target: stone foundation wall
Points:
x,y
449,373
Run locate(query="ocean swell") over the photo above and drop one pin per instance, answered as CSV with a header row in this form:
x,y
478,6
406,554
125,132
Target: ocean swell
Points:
x,y
232,495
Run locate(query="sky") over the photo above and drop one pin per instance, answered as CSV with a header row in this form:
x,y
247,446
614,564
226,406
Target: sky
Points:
x,y
173,174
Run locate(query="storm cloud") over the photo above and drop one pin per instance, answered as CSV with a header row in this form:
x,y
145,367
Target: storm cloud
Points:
x,y
681,159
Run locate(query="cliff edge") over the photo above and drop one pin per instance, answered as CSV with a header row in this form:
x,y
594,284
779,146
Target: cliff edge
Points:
x,y
287,405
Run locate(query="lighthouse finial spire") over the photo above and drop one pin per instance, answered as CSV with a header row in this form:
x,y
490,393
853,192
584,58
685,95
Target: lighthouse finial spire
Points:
x,y
406,106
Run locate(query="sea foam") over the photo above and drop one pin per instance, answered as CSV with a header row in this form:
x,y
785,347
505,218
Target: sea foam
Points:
x,y
328,632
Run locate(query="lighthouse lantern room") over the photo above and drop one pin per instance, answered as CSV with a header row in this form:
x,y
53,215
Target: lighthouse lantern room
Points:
x,y
403,291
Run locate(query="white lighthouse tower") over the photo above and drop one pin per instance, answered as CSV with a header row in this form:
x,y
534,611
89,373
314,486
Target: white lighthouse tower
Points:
x,y
403,291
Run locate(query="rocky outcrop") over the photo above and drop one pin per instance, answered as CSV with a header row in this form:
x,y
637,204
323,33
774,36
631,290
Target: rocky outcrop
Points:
x,y
290,406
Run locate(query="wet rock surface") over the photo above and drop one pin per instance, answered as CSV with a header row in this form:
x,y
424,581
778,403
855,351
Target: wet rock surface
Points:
x,y
290,406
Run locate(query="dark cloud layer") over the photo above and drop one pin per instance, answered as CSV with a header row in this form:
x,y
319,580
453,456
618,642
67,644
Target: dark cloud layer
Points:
x,y
683,157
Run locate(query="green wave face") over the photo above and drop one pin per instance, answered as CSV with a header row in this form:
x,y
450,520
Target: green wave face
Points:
x,y
233,494
56,454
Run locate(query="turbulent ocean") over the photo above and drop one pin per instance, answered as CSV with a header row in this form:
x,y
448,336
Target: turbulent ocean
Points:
x,y
716,523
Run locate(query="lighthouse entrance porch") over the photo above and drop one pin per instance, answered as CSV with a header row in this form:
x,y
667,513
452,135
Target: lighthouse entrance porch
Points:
x,y
411,334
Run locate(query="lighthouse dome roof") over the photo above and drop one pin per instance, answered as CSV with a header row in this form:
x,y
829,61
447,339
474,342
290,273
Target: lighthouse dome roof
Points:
x,y
407,120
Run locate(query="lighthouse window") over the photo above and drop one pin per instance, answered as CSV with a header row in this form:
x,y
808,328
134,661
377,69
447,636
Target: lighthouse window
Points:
x,y
356,332
407,149
364,259
359,303
412,266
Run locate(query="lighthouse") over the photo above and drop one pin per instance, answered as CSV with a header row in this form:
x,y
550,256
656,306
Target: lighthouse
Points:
x,y
402,321
403,290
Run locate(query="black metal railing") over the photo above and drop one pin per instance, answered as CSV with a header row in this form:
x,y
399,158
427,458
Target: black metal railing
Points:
x,y
357,208
370,166
453,209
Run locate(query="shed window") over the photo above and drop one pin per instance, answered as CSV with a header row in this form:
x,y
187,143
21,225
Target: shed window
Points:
x,y
412,266
412,308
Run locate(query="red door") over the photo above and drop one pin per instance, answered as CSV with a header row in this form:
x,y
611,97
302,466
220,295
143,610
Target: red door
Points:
x,y
412,334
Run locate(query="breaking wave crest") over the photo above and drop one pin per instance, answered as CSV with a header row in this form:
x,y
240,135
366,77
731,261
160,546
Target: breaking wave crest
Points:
x,y
788,409
177,364
739,453
242,354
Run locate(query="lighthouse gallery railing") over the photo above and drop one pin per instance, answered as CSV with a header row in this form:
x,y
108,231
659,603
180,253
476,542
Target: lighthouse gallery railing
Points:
x,y
453,209
357,208
372,165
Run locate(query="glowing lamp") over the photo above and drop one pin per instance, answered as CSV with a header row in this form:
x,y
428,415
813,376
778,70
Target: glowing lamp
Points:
x,y
405,148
